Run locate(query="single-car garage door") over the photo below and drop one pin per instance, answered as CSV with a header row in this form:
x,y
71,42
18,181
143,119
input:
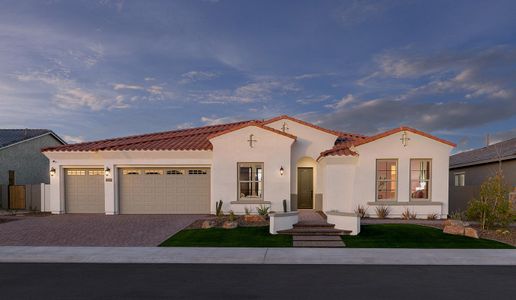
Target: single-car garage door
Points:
x,y
84,191
164,190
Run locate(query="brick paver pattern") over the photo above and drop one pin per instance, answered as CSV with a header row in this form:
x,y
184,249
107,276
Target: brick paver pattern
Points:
x,y
93,230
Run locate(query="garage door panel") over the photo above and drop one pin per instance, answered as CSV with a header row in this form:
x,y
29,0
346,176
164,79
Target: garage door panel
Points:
x,y
84,191
169,191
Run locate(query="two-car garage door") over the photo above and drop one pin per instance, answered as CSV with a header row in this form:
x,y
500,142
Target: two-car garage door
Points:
x,y
141,190
164,190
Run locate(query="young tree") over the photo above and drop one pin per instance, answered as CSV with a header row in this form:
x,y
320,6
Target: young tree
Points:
x,y
493,206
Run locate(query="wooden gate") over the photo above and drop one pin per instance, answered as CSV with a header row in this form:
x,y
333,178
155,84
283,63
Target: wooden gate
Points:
x,y
16,197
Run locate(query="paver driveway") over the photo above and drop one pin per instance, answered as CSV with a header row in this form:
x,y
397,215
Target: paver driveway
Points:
x,y
92,230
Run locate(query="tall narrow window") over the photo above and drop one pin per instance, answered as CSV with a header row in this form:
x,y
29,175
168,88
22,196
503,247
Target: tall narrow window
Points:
x,y
420,179
386,179
250,181
460,179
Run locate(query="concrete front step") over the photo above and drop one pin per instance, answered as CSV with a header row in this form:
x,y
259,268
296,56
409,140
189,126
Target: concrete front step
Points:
x,y
319,244
313,224
316,238
313,231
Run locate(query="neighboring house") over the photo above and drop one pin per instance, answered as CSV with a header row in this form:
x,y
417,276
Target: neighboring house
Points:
x,y
468,170
252,163
21,160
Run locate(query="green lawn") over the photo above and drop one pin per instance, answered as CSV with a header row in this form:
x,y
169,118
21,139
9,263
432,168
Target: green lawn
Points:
x,y
371,236
219,237
414,236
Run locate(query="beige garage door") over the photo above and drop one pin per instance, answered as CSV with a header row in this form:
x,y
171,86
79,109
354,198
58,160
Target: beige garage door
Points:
x,y
84,191
164,190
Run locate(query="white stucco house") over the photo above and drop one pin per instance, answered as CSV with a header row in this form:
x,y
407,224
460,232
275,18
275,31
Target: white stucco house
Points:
x,y
252,163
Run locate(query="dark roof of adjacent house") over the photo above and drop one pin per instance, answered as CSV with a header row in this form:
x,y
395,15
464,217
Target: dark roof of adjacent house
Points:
x,y
500,151
9,137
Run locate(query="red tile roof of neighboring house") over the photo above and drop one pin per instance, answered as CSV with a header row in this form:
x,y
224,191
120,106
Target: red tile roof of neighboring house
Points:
x,y
184,139
334,132
399,129
256,124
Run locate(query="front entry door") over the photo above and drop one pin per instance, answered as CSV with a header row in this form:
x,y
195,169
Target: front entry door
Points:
x,y
305,187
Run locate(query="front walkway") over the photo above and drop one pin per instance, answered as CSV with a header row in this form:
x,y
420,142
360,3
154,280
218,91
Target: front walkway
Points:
x,y
92,230
257,256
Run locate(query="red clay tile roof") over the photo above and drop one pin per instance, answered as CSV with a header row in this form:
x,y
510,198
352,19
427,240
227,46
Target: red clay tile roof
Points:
x,y
256,124
342,149
395,130
340,134
184,139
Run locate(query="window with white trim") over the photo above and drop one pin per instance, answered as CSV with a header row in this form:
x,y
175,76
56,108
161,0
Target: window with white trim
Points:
x,y
386,179
250,181
420,179
460,179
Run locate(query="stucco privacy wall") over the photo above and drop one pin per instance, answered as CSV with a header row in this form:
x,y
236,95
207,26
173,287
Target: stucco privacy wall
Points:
x,y
26,159
390,147
114,160
271,148
310,143
338,173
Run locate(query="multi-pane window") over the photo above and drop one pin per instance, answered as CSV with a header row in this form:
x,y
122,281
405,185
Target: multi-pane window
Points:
x,y
96,172
153,172
197,172
131,172
76,172
250,181
420,178
460,179
175,172
386,179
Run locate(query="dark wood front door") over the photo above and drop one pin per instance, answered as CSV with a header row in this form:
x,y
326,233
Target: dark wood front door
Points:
x,y
305,187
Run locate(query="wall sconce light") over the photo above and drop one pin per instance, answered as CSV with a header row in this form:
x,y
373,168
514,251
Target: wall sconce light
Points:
x,y
281,171
52,171
107,171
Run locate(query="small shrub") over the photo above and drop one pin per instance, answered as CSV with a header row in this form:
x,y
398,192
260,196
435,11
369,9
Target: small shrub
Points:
x,y
361,211
458,215
492,208
232,216
405,214
432,216
413,215
263,210
248,210
218,208
382,211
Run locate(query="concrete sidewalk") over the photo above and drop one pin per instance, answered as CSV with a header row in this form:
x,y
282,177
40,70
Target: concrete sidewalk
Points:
x,y
257,256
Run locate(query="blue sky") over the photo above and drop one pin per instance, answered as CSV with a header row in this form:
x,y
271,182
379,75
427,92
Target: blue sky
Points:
x,y
97,69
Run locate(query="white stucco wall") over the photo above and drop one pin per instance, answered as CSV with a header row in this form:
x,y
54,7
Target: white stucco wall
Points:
x,y
310,143
419,147
271,148
114,160
338,174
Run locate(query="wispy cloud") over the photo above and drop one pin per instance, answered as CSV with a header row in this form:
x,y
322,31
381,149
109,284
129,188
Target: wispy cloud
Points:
x,y
123,86
194,76
219,120
343,102
313,99
73,139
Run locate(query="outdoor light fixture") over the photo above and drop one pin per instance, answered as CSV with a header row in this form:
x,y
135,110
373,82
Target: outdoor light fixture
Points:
x,y
108,171
281,170
52,171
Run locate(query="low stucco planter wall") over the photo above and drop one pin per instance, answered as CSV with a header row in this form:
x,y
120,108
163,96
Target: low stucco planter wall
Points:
x,y
344,221
422,209
282,221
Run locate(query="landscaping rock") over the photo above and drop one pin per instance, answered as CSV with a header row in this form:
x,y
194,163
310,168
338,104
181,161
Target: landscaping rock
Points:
x,y
230,225
254,219
454,229
208,224
471,232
